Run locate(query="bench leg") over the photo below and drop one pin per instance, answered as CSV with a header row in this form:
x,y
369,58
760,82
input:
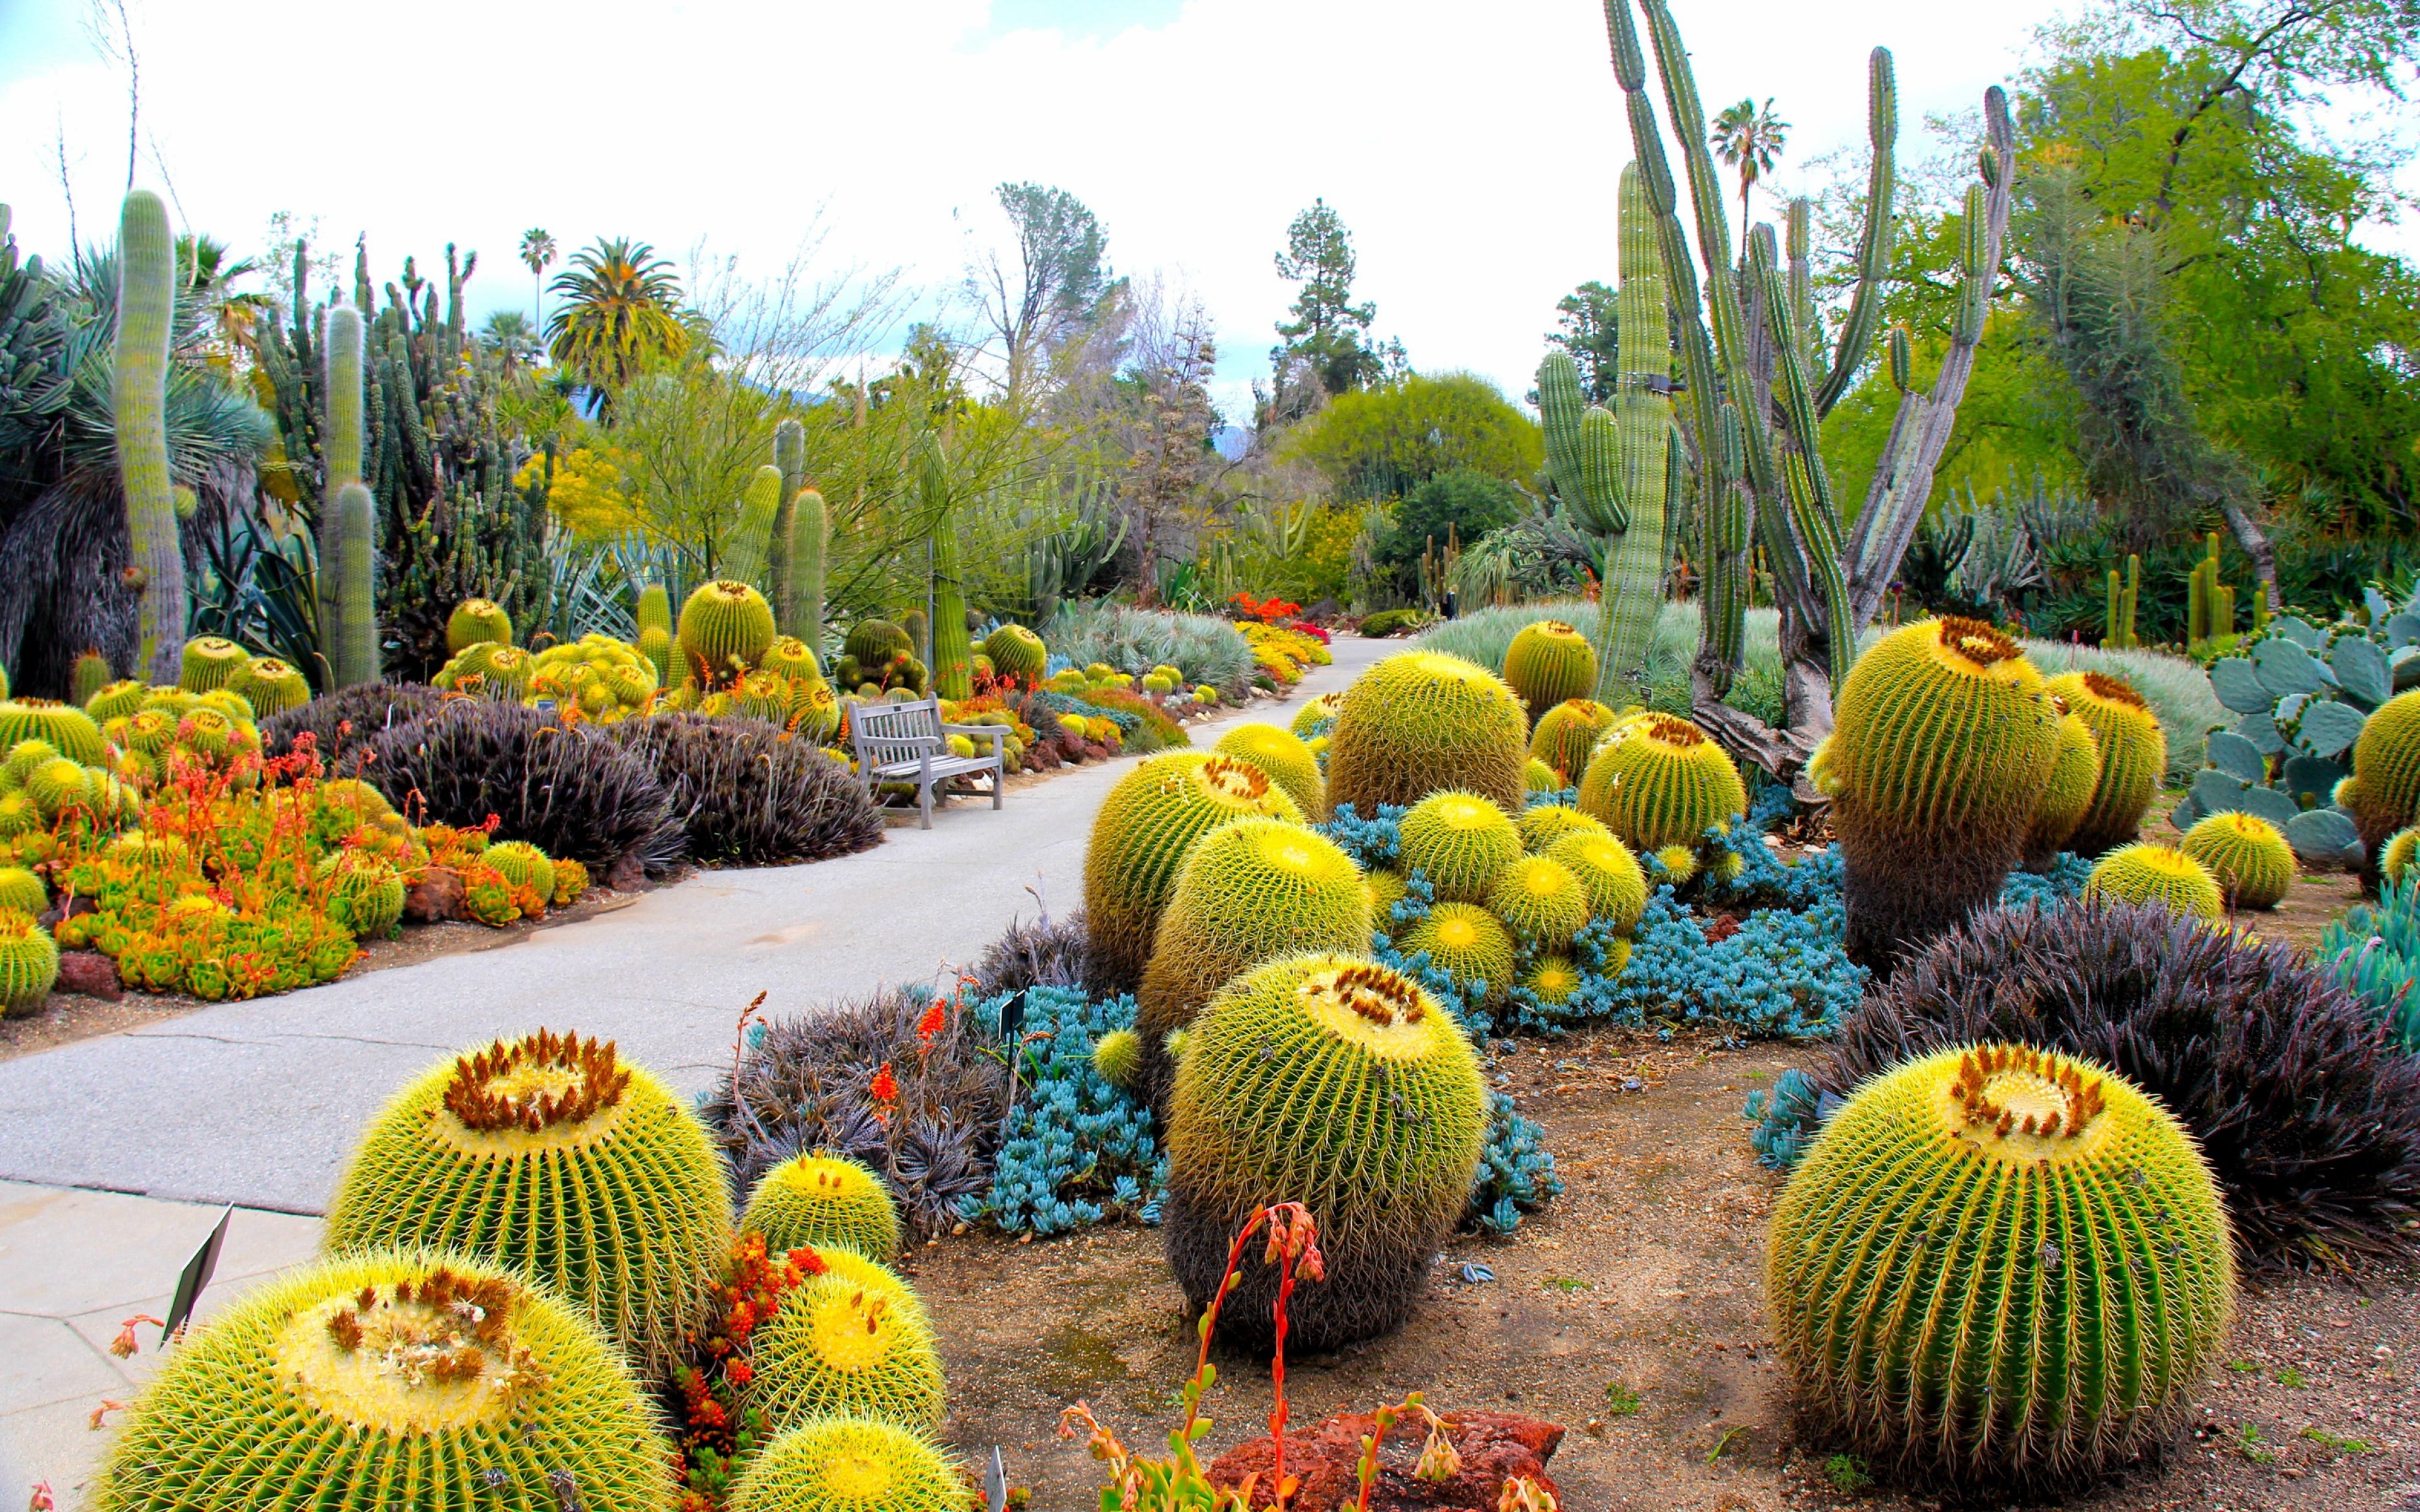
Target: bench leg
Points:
x,y
998,784
924,801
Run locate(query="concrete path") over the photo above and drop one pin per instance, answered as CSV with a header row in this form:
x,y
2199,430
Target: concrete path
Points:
x,y
257,1103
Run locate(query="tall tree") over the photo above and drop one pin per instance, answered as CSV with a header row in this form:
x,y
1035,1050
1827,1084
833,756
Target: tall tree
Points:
x,y
1328,333
1586,324
1750,138
1168,454
1050,287
621,309
537,252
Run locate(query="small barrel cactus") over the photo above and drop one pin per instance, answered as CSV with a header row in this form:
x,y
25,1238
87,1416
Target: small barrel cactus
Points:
x,y
70,730
2395,858
1336,1083
2148,873
211,661
1283,755
2251,860
1460,842
1466,943
839,1345
846,1465
1420,722
1566,736
550,1155
1543,824
1547,663
1016,654
2133,758
2067,793
823,1200
1615,882
1660,781
1998,1263
724,627
476,620
365,894
30,962
2385,783
23,892
1139,840
332,1386
1118,1057
523,864
1541,901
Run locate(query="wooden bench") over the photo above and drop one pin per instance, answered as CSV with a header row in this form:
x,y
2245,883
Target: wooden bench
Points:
x,y
908,743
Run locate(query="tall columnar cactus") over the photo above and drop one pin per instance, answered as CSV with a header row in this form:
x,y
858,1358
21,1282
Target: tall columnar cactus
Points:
x,y
1999,1264
1945,741
340,440
780,564
752,537
653,610
146,299
1756,394
353,645
810,531
953,657
1633,592
2117,633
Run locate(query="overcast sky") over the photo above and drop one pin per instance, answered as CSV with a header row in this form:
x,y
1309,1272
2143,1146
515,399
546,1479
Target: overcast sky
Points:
x,y
1471,147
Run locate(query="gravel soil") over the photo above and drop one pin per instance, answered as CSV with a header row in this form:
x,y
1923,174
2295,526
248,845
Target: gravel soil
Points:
x,y
1631,1311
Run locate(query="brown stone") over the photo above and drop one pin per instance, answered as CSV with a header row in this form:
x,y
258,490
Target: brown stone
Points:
x,y
88,972
1495,1447
627,874
437,896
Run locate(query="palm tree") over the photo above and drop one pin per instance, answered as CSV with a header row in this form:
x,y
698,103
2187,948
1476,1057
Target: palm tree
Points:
x,y
537,250
511,337
1750,140
622,307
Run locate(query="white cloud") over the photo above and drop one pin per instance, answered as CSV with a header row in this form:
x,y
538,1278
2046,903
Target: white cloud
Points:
x,y
1471,148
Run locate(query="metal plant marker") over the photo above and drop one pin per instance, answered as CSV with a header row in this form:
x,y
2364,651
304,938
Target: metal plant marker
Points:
x,y
196,1275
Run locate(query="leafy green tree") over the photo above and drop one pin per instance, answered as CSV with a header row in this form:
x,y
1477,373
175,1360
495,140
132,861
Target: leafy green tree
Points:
x,y
1329,331
1385,441
621,311
1055,282
1587,325
1461,505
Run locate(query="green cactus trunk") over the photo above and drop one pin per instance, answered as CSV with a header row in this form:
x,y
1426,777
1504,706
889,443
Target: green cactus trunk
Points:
x,y
1633,591
953,660
781,569
655,610
2119,613
809,528
340,442
354,645
146,297
745,560
90,674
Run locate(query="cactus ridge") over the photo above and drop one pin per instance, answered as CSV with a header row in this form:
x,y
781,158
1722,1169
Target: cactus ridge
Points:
x,y
1419,722
328,1387
1247,891
823,1201
475,620
66,728
1018,655
1997,1262
1139,841
1460,840
1337,1083
1658,781
2245,853
550,1156
2133,758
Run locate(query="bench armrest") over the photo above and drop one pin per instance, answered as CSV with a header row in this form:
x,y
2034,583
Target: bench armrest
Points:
x,y
995,734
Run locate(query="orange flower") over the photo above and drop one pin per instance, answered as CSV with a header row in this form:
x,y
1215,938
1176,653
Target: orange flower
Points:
x,y
886,1086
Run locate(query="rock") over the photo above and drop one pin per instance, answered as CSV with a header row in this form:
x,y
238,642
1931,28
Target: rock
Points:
x,y
437,896
88,972
627,874
1495,1447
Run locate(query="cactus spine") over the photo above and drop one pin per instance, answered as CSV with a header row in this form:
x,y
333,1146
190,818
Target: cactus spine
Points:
x,y
353,649
953,659
790,458
146,297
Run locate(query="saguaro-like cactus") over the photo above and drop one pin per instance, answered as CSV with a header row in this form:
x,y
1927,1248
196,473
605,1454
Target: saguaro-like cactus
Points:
x,y
809,529
353,645
2117,633
147,299
745,560
1758,390
340,440
1635,566
953,659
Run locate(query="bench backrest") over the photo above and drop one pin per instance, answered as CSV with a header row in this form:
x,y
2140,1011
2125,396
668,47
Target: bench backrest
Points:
x,y
888,733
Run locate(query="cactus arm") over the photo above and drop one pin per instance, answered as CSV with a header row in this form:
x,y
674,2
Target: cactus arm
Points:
x,y
1874,243
147,296
1632,593
790,457
1559,406
809,528
1805,331
953,656
1810,495
1897,495
356,651
745,562
341,435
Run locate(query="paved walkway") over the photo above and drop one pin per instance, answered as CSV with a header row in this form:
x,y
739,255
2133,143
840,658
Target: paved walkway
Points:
x,y
257,1103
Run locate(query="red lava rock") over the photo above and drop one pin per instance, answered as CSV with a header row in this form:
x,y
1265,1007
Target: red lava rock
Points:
x,y
1721,927
438,895
88,972
628,875
1495,1447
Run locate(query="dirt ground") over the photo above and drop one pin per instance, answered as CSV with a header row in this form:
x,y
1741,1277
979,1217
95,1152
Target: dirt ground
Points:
x,y
1630,1311
65,1017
